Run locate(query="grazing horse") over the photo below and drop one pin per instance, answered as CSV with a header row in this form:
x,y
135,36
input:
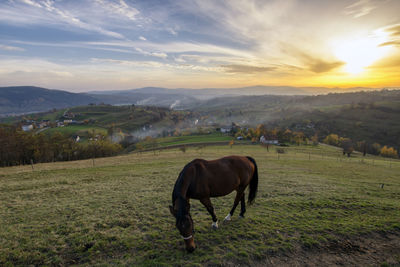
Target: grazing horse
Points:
x,y
202,179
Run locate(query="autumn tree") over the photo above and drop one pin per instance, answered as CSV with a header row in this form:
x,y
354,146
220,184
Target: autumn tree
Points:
x,y
389,152
332,139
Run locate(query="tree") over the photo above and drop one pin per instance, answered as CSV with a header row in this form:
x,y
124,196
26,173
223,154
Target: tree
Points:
x,y
231,143
332,139
389,152
362,147
314,139
347,146
376,148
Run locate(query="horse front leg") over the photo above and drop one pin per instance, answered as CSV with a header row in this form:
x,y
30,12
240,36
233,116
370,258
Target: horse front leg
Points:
x,y
207,203
239,196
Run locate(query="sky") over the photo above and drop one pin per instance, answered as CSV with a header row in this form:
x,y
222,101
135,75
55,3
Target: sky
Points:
x,y
82,45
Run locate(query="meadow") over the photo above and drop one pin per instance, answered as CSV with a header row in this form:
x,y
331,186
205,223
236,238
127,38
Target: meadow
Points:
x,y
115,210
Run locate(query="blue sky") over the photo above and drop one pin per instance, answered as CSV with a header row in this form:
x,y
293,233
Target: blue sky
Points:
x,y
121,44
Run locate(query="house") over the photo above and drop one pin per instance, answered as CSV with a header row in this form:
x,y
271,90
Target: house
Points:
x,y
226,129
263,140
27,128
44,123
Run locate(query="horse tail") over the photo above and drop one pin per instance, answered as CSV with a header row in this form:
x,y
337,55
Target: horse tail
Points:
x,y
253,183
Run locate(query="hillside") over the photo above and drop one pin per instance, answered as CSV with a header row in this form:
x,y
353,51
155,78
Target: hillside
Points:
x,y
29,99
313,207
115,121
370,116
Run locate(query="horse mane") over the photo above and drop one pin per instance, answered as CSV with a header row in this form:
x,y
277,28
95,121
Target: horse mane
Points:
x,y
177,195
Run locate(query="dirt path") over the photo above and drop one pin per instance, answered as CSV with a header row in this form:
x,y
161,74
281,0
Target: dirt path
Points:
x,y
377,249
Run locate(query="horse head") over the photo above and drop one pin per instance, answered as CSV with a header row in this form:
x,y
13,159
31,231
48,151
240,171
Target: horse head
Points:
x,y
184,224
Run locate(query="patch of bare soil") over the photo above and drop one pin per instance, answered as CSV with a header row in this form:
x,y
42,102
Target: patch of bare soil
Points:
x,y
376,249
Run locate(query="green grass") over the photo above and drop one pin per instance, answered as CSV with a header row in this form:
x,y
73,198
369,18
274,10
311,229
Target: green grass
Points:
x,y
189,139
116,212
81,130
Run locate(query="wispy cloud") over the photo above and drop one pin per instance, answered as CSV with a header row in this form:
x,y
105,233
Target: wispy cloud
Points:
x,y
246,69
360,8
119,8
50,12
394,35
320,66
11,48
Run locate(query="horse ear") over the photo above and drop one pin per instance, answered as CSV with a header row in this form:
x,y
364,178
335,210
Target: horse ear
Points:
x,y
171,209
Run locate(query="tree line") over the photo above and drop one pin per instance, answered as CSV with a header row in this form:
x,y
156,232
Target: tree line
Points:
x,y
298,137
282,135
18,147
349,146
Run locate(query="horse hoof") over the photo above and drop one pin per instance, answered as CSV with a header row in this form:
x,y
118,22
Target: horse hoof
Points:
x,y
214,225
227,218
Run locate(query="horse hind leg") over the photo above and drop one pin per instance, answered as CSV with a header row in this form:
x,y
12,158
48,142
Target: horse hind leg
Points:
x,y
239,196
242,206
207,203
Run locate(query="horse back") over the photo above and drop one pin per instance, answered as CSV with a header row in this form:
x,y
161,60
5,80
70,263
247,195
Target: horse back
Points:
x,y
218,177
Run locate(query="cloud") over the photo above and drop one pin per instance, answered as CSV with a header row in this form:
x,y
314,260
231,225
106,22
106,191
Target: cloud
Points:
x,y
391,43
394,35
50,12
359,8
142,38
310,62
11,48
320,66
394,30
159,54
246,69
154,54
172,31
32,3
119,8
317,65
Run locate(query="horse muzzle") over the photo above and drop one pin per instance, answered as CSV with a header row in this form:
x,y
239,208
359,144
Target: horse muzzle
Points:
x,y
189,243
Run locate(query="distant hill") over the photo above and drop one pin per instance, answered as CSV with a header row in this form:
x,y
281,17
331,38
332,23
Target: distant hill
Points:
x,y
371,116
29,99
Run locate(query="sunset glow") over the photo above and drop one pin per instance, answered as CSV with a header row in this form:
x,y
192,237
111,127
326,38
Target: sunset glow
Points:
x,y
357,54
122,44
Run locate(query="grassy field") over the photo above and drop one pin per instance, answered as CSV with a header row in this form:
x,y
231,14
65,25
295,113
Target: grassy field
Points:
x,y
189,139
115,210
81,130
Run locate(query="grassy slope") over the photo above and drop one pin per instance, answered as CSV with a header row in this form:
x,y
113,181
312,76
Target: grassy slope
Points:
x,y
189,139
117,212
127,118
76,129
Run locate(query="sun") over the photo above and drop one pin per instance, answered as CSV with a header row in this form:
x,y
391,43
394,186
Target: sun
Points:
x,y
357,54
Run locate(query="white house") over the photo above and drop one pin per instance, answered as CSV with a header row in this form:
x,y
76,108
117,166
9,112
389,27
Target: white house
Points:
x,y
27,128
226,129
263,140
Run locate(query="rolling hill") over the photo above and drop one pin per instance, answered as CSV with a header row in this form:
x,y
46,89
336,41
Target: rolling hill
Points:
x,y
29,99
